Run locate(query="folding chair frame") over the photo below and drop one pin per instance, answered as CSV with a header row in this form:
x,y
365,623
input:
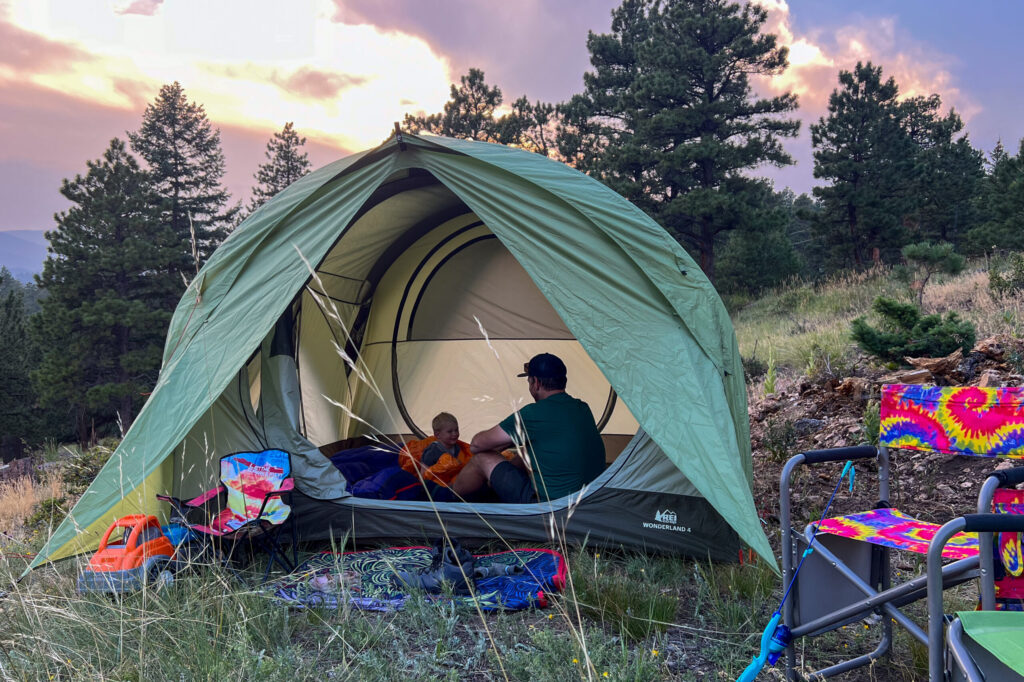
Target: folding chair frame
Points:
x,y
879,598
985,525
266,538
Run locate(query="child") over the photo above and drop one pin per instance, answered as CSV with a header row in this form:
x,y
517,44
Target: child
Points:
x,y
440,457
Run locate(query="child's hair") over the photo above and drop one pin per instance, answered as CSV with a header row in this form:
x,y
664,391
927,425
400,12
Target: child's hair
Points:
x,y
443,419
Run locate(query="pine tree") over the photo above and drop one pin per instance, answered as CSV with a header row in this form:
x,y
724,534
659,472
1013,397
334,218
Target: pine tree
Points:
x,y
668,118
108,278
470,115
862,149
752,260
285,164
185,160
1000,203
947,171
16,397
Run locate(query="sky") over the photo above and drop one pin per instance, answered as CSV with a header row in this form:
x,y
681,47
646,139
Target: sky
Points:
x,y
76,73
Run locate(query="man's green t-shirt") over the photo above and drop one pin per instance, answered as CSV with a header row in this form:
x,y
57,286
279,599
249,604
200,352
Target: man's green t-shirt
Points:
x,y
566,451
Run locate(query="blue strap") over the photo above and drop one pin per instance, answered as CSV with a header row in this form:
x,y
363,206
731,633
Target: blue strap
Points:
x,y
769,645
752,670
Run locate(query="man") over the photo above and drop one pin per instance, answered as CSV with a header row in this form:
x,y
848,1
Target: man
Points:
x,y
556,434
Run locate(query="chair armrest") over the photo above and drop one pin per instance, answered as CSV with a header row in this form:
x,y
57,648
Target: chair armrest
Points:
x,y
840,454
1008,478
205,497
287,486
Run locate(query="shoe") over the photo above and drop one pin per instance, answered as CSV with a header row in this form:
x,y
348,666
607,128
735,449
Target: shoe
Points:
x,y
450,564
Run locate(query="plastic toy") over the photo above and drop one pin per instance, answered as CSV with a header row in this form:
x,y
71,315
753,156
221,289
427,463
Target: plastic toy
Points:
x,y
142,555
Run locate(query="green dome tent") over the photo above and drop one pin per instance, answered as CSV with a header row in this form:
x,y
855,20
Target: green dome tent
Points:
x,y
418,277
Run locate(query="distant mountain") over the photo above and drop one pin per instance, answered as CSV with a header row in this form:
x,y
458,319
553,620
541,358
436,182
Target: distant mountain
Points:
x,y
23,253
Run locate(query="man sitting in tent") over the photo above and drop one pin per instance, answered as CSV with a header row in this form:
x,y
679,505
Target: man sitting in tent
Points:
x,y
557,434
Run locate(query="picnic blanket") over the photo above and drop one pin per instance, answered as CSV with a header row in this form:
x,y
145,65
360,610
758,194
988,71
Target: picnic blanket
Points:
x,y
364,580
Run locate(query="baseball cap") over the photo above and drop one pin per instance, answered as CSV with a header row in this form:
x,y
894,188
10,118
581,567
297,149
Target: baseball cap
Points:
x,y
545,366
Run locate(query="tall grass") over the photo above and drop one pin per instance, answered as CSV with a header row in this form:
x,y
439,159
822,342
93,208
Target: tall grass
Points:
x,y
19,497
807,325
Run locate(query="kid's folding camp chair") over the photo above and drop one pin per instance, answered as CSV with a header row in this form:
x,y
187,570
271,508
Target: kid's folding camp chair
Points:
x,y
847,577
251,503
982,645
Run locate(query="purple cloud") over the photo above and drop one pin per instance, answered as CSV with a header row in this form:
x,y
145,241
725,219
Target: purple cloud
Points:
x,y
146,8
30,52
310,83
534,48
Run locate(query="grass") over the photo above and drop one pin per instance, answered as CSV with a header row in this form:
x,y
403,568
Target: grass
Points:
x,y
626,616
807,326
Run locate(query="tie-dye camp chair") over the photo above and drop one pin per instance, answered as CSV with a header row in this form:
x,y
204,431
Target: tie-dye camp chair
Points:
x,y
251,504
847,577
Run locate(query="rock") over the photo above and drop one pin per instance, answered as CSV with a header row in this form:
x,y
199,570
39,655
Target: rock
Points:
x,y
16,469
990,378
938,366
991,347
807,426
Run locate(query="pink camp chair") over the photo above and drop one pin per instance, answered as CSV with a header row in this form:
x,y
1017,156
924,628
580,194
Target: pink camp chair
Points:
x,y
250,503
847,577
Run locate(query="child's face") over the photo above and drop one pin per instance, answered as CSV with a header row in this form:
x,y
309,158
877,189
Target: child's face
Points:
x,y
448,434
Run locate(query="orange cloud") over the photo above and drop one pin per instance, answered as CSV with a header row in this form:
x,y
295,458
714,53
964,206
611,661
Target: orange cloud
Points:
x,y
815,62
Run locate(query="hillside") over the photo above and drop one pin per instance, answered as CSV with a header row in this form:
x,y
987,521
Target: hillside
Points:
x,y
23,252
823,387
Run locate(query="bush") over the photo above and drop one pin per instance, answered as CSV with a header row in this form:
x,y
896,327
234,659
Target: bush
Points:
x,y
47,515
1006,277
780,439
906,332
753,368
83,466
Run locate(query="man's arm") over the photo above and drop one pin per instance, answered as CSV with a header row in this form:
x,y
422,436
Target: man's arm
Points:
x,y
493,438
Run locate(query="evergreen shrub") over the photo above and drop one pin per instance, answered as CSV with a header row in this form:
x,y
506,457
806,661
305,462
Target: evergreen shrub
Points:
x,y
906,332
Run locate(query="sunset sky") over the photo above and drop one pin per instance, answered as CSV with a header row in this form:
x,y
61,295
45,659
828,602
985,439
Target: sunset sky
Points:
x,y
75,73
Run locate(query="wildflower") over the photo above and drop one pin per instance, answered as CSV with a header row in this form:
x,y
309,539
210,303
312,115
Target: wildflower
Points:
x,y
575,660
597,556
550,616
604,674
654,652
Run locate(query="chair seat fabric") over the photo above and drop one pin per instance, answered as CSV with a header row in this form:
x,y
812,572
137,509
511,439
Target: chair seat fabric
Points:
x,y
248,478
892,528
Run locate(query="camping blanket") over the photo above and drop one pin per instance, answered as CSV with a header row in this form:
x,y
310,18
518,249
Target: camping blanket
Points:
x,y
893,528
363,580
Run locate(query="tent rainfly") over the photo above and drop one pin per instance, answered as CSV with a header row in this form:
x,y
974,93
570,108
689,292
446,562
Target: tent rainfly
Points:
x,y
418,277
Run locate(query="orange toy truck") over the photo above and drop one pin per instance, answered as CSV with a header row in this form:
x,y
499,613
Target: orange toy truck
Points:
x,y
139,555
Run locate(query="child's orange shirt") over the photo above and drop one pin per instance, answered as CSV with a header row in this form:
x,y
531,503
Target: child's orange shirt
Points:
x,y
443,471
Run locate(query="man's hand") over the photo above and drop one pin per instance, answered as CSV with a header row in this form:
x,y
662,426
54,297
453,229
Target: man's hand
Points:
x,y
494,439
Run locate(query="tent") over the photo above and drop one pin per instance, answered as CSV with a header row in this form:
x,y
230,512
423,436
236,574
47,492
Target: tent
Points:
x,y
419,276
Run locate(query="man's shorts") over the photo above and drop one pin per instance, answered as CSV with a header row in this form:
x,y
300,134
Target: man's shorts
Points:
x,y
512,484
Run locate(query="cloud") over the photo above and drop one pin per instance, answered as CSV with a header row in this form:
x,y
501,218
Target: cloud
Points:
x,y
305,82
816,59
27,52
532,47
146,8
